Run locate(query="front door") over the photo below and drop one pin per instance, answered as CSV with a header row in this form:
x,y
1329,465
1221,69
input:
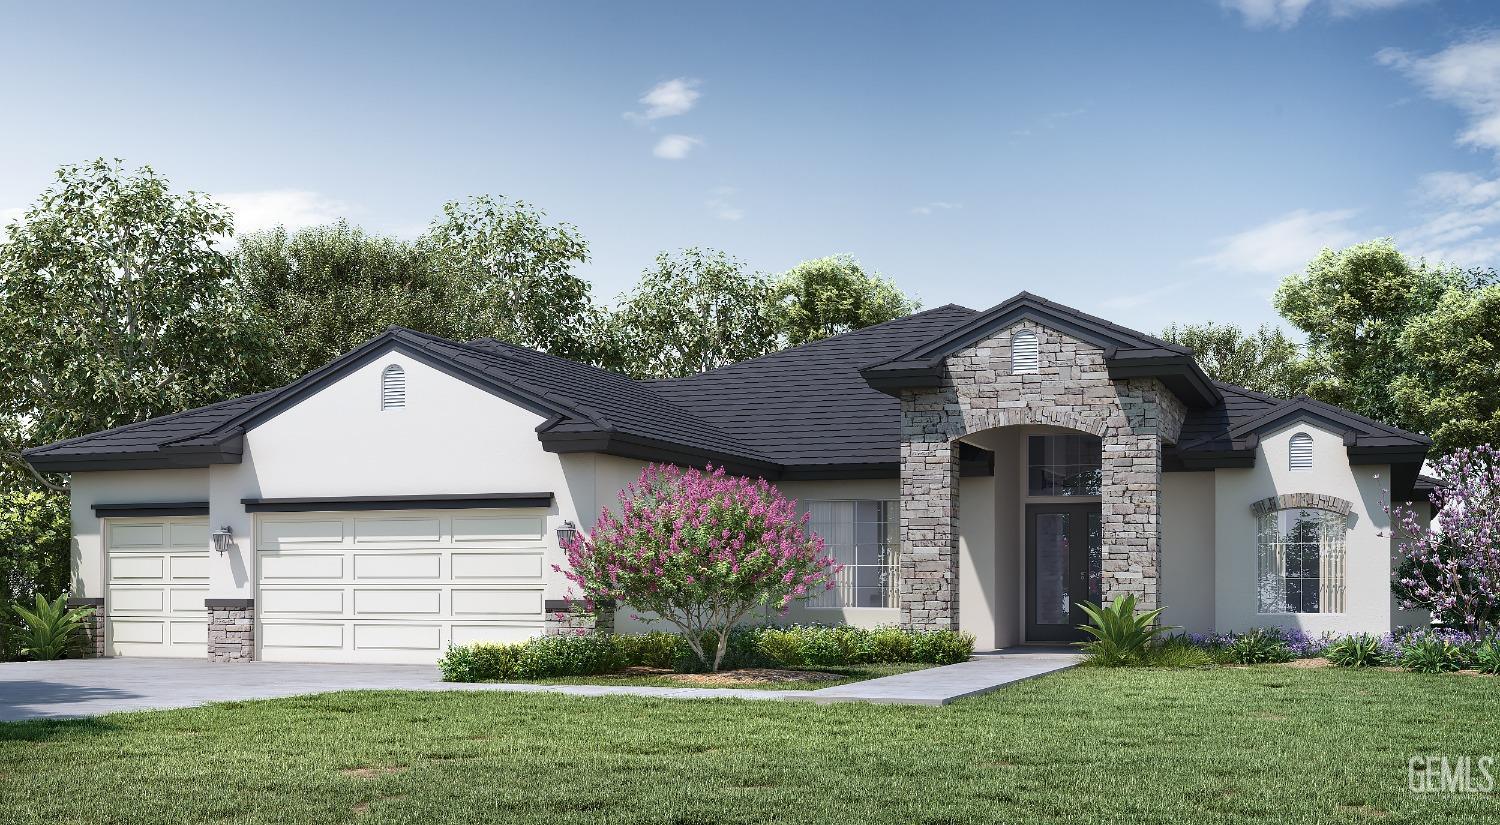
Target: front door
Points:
x,y
1063,559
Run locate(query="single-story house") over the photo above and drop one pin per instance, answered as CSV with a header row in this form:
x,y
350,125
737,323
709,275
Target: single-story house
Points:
x,y
985,471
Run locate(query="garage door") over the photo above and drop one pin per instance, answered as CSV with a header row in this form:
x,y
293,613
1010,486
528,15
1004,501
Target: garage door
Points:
x,y
395,586
158,577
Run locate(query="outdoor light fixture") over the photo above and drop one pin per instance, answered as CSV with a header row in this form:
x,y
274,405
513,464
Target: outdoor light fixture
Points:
x,y
223,539
567,533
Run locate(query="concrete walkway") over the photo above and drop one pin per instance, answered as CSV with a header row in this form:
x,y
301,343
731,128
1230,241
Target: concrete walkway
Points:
x,y
89,687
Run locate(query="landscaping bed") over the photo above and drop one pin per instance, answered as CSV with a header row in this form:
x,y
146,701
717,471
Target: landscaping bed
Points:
x,y
759,678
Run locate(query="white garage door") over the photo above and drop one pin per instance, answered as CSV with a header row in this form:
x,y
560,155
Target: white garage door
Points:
x,y
158,577
395,586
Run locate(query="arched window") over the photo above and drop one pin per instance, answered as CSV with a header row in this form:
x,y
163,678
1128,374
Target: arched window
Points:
x,y
1300,561
1023,352
392,387
1299,454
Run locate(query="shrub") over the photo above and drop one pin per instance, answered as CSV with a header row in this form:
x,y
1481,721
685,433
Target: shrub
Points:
x,y
1257,647
588,655
1119,635
46,630
942,647
654,649
35,545
1176,651
784,646
1359,650
890,644
700,550
1426,653
1487,656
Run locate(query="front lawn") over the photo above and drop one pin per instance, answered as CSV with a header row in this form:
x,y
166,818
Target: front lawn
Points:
x,y
1260,744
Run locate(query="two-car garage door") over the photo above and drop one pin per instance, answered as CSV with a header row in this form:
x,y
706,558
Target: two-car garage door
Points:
x,y
395,586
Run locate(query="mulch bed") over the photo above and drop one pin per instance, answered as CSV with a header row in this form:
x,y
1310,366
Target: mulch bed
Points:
x,y
735,678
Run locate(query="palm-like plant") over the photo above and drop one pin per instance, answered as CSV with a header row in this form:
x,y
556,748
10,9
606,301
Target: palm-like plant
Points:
x,y
1120,637
46,630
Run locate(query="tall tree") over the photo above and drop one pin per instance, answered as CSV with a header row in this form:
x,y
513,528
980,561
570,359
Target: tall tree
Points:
x,y
1264,359
827,296
1452,391
116,307
319,292
694,311
515,273
1354,305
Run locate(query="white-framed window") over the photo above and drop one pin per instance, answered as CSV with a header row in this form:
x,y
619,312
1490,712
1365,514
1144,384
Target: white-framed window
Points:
x,y
1300,561
392,387
1299,452
1023,352
862,536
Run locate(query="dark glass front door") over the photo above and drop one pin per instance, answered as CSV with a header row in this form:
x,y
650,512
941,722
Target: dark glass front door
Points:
x,y
1063,549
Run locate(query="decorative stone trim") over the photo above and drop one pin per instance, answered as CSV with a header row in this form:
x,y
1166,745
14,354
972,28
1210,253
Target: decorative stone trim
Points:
x,y
567,617
90,643
231,630
1297,501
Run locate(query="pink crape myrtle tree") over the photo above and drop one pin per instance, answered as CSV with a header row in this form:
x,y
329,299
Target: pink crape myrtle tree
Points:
x,y
700,550
1452,567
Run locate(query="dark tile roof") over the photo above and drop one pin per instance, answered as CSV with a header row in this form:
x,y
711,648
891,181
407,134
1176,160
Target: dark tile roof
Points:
x,y
147,437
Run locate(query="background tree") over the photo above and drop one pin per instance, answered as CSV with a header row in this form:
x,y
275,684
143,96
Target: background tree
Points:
x,y
1354,305
1452,389
694,311
513,273
35,540
319,292
1264,359
117,306
827,296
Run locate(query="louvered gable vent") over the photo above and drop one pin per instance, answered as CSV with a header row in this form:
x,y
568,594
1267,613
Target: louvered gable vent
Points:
x,y
1023,351
1301,452
392,387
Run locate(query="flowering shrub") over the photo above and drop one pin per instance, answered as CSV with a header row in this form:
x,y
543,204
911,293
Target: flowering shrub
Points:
x,y
699,550
1453,569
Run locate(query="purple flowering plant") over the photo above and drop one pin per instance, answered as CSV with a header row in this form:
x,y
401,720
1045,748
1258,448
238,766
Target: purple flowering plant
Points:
x,y
701,550
1452,569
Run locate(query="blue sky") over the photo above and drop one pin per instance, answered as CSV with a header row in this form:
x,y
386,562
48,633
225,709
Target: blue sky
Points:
x,y
1149,162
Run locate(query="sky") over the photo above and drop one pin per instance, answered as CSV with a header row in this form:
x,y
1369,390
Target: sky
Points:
x,y
1149,162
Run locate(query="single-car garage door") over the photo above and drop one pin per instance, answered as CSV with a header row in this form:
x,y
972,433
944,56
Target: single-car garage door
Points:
x,y
395,586
158,577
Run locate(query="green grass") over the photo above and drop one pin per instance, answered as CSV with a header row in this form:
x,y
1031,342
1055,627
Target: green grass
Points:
x,y
850,673
1255,745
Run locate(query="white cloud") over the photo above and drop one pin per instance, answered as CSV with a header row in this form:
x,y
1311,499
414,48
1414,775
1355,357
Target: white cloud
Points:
x,y
1467,75
1285,244
668,99
723,206
292,208
1284,14
935,206
1463,213
676,147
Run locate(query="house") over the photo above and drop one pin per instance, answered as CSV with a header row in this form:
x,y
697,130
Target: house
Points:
x,y
979,470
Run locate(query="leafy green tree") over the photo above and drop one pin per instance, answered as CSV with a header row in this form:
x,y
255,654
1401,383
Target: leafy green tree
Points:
x,y
319,292
513,274
35,544
117,306
1354,305
1264,359
827,296
1452,391
694,311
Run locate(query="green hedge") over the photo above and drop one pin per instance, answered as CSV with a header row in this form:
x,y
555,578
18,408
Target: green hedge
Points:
x,y
793,647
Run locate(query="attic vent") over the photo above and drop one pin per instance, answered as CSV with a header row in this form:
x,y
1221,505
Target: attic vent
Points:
x,y
1023,357
392,387
1301,452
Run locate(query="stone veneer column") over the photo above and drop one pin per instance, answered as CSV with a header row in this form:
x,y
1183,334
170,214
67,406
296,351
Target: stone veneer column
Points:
x,y
89,644
231,630
561,618
927,567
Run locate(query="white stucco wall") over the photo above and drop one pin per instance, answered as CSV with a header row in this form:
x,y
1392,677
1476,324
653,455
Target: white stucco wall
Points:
x,y
119,487
1187,551
1368,571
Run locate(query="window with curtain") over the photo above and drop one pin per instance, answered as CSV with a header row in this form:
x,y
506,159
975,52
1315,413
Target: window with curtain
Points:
x,y
862,536
1300,565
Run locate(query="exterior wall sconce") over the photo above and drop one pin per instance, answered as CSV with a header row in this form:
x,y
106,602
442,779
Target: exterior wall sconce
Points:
x,y
566,534
223,539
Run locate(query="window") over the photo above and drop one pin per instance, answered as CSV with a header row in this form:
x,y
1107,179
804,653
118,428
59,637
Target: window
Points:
x,y
1023,354
1062,465
1301,561
1300,452
392,387
862,536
